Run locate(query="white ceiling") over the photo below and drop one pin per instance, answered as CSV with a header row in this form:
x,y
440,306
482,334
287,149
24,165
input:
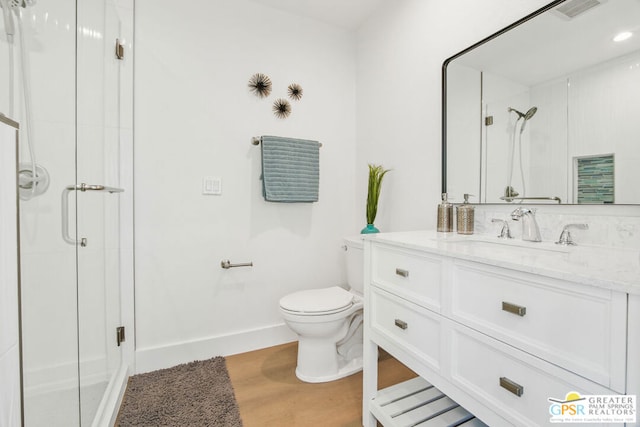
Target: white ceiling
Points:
x,y
548,47
347,14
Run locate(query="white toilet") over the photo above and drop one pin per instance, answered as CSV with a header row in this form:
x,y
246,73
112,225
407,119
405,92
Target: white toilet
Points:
x,y
328,322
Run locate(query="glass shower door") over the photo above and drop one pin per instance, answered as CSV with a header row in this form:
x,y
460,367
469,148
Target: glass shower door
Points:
x,y
44,57
81,129
103,93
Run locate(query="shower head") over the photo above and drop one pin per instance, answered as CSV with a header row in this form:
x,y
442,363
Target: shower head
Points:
x,y
526,116
532,112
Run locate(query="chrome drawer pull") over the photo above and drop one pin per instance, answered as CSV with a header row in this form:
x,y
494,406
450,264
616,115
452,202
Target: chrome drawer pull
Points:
x,y
509,385
401,324
401,272
513,308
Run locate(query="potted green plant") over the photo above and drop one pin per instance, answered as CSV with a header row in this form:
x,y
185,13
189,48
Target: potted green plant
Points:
x,y
376,173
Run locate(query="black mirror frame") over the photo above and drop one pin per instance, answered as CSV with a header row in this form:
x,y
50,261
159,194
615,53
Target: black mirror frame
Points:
x,y
444,78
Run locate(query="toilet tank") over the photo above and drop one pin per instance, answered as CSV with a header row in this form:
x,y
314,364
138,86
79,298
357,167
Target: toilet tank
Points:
x,y
355,262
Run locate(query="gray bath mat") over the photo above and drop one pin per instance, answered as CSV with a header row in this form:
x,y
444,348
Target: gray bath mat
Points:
x,y
194,394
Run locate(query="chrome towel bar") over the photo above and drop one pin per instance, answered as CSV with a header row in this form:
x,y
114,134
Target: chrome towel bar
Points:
x,y
256,140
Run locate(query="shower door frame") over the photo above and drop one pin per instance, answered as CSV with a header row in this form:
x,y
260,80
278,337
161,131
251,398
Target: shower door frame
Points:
x,y
65,152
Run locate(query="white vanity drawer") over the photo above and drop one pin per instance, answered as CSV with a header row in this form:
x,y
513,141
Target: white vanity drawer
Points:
x,y
494,373
413,328
409,274
580,328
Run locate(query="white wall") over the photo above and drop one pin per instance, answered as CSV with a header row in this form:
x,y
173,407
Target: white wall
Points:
x,y
463,131
195,117
400,54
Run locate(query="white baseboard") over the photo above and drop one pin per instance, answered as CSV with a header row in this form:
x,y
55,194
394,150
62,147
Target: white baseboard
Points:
x,y
151,359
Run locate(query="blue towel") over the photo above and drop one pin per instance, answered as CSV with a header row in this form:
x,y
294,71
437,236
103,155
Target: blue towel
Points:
x,y
290,169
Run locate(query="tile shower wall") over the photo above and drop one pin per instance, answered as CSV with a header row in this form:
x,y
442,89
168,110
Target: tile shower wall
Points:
x,y
582,129
47,262
195,117
615,87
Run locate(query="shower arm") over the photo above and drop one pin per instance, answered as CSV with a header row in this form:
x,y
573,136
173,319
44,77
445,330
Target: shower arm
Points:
x,y
65,207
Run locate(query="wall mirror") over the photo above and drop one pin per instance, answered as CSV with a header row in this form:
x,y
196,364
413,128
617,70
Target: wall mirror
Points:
x,y
548,109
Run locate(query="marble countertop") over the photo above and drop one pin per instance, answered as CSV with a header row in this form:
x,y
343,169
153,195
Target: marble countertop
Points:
x,y
604,267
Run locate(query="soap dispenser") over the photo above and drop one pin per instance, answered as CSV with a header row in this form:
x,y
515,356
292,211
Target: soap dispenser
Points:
x,y
445,215
465,215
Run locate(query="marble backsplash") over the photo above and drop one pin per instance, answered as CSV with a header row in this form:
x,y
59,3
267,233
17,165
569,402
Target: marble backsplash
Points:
x,y
614,226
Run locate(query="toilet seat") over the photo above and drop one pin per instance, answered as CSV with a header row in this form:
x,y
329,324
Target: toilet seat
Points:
x,y
317,301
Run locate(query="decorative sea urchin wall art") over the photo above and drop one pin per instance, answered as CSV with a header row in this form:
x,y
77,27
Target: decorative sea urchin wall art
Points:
x,y
260,84
281,108
295,91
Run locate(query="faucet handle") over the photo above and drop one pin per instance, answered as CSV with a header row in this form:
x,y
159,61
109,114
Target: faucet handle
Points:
x,y
565,236
505,232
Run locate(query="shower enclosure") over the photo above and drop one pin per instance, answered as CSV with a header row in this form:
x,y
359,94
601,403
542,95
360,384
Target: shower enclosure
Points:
x,y
70,74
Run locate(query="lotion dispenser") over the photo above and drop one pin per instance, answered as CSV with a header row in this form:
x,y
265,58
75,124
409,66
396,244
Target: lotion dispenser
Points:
x,y
465,216
445,215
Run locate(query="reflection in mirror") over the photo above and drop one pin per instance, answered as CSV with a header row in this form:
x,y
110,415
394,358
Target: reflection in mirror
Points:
x,y
548,110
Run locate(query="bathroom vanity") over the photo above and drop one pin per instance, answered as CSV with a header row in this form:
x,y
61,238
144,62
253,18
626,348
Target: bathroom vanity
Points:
x,y
498,326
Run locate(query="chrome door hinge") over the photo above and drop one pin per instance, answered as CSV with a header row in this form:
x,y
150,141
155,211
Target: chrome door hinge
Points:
x,y
119,335
119,49
488,121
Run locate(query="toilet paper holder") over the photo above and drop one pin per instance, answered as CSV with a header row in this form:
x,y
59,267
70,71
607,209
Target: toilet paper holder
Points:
x,y
226,264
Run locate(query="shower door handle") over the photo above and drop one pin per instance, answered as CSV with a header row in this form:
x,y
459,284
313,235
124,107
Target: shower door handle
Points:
x,y
65,215
94,187
65,207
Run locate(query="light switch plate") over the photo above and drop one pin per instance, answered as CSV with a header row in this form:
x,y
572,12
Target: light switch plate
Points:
x,y
212,185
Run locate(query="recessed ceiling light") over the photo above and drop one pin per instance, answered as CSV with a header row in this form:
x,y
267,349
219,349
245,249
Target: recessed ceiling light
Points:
x,y
622,36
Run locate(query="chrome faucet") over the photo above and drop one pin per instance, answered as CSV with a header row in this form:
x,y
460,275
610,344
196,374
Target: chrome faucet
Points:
x,y
505,233
530,229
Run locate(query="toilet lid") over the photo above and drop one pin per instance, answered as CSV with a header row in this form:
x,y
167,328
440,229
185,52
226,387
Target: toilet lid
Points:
x,y
317,300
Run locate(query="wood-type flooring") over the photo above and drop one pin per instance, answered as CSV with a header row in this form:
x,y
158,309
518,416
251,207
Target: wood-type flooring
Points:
x,y
270,395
